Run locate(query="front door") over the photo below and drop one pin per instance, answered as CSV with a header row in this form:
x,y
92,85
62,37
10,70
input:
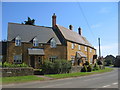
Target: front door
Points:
x,y
32,61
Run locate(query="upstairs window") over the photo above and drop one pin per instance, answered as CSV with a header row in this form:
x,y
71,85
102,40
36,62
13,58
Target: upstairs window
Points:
x,y
90,50
18,41
79,47
73,46
85,48
35,42
53,43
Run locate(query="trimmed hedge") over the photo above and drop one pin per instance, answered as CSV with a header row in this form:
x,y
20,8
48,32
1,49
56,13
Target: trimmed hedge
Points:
x,y
56,67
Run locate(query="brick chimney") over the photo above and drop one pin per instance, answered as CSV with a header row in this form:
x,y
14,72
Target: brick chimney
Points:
x,y
53,20
70,27
80,31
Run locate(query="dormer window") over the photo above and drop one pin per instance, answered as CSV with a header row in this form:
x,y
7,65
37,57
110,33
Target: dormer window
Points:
x,y
18,41
53,43
35,42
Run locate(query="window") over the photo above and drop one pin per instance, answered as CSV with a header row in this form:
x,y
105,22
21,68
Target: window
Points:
x,y
91,61
73,46
35,42
79,47
40,60
53,43
85,48
18,41
52,58
18,59
1,57
90,50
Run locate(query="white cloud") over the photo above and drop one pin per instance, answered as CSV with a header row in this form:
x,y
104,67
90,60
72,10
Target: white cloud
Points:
x,y
108,49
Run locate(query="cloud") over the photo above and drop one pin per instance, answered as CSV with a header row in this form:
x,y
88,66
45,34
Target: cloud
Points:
x,y
111,49
104,10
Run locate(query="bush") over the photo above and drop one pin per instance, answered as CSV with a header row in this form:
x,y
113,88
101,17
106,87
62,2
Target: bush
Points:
x,y
89,68
99,62
56,67
6,64
95,67
86,63
84,69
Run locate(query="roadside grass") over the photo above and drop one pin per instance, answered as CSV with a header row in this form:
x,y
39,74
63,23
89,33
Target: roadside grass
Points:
x,y
58,76
20,79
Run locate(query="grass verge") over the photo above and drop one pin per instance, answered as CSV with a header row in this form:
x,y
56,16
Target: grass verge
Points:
x,y
19,79
58,76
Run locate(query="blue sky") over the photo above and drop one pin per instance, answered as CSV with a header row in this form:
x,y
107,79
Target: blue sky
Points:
x,y
97,19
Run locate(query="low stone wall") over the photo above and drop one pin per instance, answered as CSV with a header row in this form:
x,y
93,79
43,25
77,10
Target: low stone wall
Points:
x,y
10,72
75,69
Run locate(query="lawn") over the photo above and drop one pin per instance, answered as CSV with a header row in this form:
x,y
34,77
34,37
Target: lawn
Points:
x,y
57,76
20,79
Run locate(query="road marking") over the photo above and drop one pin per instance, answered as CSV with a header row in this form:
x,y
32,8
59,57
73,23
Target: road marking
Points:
x,y
115,83
106,86
56,85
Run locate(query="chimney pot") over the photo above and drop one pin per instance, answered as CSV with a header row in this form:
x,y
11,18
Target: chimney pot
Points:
x,y
70,27
80,31
53,20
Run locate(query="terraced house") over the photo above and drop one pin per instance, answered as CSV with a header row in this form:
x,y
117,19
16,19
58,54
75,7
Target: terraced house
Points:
x,y
33,44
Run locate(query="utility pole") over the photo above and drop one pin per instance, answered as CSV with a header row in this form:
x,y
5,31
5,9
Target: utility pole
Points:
x,y
99,47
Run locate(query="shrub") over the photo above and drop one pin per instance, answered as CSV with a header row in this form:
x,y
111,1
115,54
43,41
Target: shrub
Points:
x,y
56,67
6,64
84,69
86,63
99,62
95,67
89,68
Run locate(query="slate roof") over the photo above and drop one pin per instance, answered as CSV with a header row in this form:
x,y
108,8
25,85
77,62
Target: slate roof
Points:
x,y
28,32
73,36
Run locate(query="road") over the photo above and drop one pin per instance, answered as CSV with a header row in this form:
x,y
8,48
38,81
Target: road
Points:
x,y
104,80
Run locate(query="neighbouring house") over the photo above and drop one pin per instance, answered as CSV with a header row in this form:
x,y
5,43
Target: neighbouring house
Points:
x,y
33,44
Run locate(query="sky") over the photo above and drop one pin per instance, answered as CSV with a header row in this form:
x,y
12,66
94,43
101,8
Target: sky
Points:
x,y
97,19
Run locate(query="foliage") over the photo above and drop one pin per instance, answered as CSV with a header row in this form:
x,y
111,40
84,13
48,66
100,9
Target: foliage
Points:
x,y
109,60
56,67
117,61
84,69
6,64
99,62
95,67
89,68
29,21
86,63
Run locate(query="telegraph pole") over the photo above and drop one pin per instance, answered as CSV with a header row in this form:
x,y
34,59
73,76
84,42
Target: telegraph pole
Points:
x,y
99,47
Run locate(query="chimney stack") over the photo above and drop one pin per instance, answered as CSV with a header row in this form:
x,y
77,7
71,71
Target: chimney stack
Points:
x,y
70,27
80,31
53,20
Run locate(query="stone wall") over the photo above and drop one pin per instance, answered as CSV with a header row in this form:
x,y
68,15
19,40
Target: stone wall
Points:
x,y
75,69
10,72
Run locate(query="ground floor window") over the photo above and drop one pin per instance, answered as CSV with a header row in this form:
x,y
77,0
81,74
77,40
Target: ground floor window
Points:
x,y
52,58
73,59
1,57
40,60
18,59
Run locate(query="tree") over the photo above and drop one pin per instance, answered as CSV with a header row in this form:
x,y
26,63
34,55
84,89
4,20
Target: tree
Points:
x,y
29,21
109,60
117,61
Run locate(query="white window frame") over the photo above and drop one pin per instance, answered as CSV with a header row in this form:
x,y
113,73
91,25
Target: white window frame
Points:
x,y
85,48
35,42
17,59
18,41
53,43
73,46
53,58
79,47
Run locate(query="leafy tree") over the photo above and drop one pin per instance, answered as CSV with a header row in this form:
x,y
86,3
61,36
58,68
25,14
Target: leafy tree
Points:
x,y
117,61
29,21
109,60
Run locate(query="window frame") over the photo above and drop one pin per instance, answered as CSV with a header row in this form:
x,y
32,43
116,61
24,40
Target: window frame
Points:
x,y
73,45
35,42
53,43
79,47
18,41
85,48
17,59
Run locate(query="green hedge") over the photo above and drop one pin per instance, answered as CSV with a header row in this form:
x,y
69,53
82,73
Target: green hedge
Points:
x,y
56,67
6,64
